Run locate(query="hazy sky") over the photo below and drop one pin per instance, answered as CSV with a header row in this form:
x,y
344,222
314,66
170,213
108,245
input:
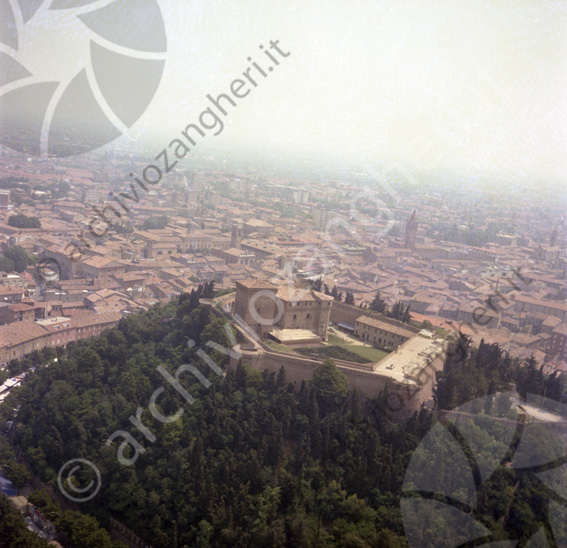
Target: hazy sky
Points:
x,y
439,84
478,85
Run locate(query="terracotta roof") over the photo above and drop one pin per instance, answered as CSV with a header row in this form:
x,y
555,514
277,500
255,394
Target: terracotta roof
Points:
x,y
258,223
20,307
561,329
292,294
102,262
256,284
11,290
20,332
367,320
541,302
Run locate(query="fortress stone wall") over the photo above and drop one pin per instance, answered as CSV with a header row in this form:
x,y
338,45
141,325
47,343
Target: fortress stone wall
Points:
x,y
408,373
405,395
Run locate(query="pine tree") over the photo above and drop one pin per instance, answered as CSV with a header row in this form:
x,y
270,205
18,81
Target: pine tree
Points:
x,y
399,312
280,380
378,304
330,385
406,317
208,291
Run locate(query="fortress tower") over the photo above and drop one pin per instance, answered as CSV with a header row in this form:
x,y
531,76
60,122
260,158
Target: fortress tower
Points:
x,y
266,307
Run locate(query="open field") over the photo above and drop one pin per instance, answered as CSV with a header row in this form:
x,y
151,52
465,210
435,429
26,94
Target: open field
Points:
x,y
368,352
334,348
333,352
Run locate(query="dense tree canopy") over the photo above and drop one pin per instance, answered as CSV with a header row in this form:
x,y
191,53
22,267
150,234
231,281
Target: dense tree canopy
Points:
x,y
7,265
18,256
23,221
155,222
249,463
471,372
330,385
246,460
14,530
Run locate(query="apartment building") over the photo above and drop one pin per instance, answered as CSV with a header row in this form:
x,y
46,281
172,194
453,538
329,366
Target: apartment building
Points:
x,y
380,333
530,305
21,338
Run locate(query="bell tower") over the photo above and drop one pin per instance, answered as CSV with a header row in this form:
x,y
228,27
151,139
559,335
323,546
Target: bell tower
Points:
x,y
236,236
411,231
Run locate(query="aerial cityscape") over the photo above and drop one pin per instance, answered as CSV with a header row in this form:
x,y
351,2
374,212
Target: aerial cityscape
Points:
x,y
239,330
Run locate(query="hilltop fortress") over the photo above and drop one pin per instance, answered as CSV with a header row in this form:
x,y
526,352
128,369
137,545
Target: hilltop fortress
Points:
x,y
296,318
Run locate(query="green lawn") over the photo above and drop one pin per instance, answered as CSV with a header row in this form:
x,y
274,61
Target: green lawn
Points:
x,y
333,352
334,348
369,353
333,339
278,347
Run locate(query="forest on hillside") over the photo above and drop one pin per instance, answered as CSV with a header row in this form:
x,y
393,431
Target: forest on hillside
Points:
x,y
251,462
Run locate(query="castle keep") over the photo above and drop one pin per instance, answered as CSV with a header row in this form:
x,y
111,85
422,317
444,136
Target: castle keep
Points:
x,y
267,308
